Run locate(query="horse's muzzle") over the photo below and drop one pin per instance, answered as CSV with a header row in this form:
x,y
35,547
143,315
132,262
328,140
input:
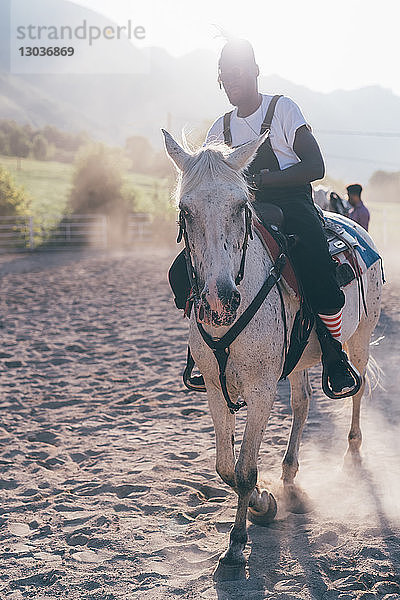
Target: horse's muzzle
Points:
x,y
218,309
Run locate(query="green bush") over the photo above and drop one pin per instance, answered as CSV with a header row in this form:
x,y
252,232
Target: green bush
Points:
x,y
40,147
13,201
97,183
97,188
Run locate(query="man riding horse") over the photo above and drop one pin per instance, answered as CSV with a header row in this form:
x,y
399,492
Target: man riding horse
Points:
x,y
281,173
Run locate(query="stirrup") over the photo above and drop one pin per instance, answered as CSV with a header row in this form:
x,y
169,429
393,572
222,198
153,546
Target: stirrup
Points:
x,y
338,395
195,383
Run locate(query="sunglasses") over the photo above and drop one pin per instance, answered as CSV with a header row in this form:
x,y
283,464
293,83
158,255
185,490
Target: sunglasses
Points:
x,y
233,74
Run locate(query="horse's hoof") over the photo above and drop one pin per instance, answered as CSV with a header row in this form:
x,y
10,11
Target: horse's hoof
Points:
x,y
296,501
266,517
229,572
232,558
352,461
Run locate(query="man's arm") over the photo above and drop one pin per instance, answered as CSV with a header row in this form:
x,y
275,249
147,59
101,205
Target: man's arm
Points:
x,y
310,167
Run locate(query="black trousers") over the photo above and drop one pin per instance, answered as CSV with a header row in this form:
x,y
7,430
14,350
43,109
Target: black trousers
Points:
x,y
310,256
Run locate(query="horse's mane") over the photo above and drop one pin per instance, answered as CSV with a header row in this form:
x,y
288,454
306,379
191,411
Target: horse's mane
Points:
x,y
208,162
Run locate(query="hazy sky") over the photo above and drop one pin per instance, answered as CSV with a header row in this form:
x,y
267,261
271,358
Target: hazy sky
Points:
x,y
322,44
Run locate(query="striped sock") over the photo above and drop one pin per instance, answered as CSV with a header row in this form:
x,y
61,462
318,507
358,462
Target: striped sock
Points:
x,y
334,324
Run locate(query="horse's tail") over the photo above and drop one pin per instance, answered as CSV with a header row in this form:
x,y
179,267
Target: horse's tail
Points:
x,y
374,376
374,373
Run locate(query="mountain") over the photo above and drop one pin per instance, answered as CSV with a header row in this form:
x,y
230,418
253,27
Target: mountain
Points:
x,y
182,92
367,110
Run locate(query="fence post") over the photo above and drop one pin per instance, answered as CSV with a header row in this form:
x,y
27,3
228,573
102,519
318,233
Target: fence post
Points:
x,y
68,232
31,237
105,232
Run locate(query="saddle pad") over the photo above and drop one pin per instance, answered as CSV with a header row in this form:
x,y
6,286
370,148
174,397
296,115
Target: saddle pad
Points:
x,y
368,254
274,250
345,273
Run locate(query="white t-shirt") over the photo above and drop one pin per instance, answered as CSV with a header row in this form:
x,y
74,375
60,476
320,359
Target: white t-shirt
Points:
x,y
286,121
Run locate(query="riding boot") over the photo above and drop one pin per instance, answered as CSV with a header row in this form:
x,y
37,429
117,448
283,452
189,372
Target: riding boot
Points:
x,y
340,378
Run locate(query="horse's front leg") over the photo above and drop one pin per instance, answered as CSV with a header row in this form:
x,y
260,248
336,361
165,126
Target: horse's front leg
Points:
x,y
224,426
259,403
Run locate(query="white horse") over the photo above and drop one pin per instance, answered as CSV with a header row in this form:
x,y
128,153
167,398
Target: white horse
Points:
x,y
212,195
329,200
321,197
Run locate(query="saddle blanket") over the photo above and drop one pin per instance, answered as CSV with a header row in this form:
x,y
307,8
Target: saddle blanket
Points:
x,y
368,255
272,246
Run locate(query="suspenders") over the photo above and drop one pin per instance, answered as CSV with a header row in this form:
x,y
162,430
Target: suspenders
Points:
x,y
269,116
227,128
265,125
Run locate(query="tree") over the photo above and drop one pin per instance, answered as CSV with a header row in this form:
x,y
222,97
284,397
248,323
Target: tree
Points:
x,y
98,189
12,198
40,147
141,154
4,146
97,182
19,145
384,186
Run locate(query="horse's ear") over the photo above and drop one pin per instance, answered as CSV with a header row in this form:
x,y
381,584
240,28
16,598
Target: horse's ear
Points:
x,y
241,157
174,151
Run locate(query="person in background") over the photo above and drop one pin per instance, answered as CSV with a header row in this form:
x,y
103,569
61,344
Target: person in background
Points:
x,y
359,212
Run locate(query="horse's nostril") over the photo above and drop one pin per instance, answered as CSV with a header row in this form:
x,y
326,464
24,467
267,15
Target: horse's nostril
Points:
x,y
235,300
203,297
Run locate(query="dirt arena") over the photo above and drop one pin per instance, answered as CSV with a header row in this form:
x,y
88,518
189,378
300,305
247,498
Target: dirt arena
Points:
x,y
108,486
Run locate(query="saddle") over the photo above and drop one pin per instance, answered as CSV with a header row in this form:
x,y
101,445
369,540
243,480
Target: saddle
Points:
x,y
342,245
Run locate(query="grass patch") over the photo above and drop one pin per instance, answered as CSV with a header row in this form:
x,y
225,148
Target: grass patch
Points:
x,y
48,185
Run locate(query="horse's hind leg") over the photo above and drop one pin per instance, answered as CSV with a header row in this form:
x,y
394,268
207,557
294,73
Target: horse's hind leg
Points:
x,y
300,394
358,348
300,400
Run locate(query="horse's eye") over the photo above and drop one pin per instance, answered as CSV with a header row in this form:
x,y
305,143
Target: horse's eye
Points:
x,y
185,212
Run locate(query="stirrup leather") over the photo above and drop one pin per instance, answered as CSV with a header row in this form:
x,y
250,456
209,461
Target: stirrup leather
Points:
x,y
195,383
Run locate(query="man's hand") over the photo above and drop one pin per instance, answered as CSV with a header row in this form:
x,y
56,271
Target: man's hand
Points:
x,y
310,167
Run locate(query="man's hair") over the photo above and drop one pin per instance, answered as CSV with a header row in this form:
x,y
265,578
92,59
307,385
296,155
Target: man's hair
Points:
x,y
354,188
239,51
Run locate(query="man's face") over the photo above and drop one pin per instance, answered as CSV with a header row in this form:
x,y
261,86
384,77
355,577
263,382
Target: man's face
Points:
x,y
238,79
353,199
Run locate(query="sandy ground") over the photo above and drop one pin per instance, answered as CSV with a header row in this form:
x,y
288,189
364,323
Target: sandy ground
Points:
x,y
108,488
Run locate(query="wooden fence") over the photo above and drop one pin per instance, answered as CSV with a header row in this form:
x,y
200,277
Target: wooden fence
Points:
x,y
28,233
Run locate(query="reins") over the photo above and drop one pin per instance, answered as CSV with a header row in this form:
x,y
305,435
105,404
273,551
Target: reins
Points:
x,y
221,347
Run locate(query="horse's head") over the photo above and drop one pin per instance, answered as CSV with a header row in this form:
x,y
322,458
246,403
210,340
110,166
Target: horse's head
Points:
x,y
213,196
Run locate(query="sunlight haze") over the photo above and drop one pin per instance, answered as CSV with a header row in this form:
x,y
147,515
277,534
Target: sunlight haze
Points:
x,y
322,45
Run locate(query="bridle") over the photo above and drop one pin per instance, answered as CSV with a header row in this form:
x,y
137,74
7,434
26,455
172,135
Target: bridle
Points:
x,y
221,347
182,233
